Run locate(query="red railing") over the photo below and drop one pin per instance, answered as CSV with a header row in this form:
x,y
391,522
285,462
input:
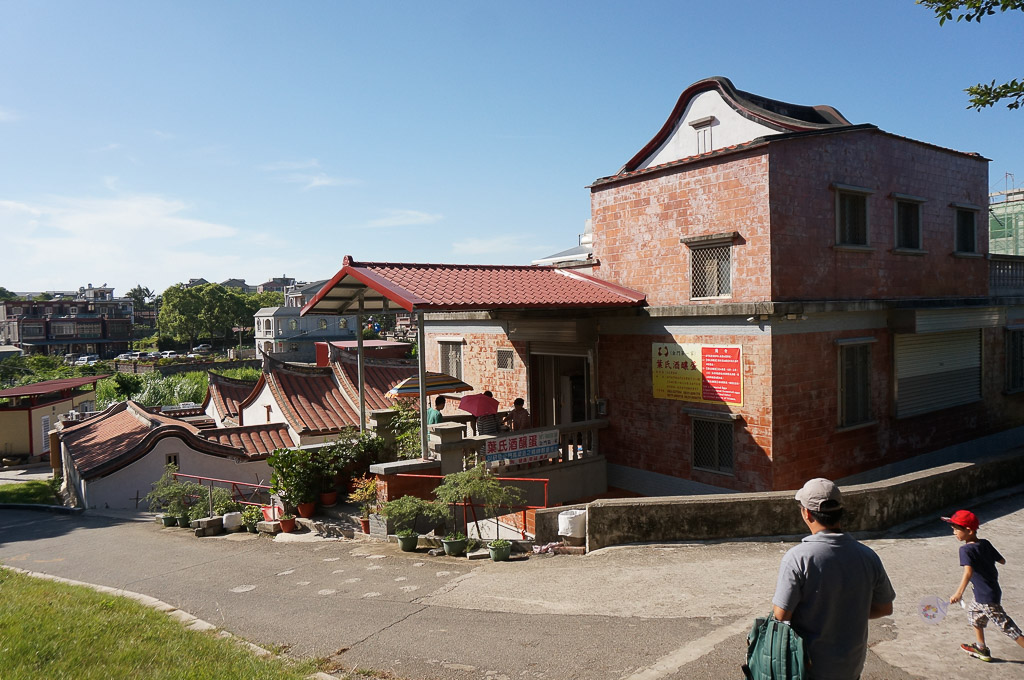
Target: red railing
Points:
x,y
236,492
473,506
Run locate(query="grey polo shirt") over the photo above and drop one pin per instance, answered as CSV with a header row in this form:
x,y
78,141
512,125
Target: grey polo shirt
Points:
x,y
829,583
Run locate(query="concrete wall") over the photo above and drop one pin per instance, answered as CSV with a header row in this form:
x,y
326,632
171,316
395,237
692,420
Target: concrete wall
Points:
x,y
566,481
869,507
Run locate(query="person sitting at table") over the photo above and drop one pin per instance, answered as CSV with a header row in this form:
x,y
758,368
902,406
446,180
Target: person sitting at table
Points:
x,y
519,417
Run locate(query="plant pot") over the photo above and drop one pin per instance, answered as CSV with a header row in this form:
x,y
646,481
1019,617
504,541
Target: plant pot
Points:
x,y
287,525
169,520
252,529
500,554
455,548
364,525
306,509
183,521
329,499
408,543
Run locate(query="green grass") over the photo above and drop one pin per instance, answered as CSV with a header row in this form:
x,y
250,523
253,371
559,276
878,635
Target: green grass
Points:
x,y
54,631
28,492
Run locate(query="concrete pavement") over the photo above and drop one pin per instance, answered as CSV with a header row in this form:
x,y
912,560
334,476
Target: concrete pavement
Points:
x,y
630,612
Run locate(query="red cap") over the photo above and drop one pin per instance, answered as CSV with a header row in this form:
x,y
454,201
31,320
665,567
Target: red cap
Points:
x,y
963,518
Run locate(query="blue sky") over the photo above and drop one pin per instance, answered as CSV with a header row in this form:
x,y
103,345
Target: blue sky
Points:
x,y
151,142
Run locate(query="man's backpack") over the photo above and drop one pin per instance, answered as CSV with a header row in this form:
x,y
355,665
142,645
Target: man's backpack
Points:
x,y
774,652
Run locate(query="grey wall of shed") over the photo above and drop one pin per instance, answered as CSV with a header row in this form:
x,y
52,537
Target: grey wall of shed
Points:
x,y
869,507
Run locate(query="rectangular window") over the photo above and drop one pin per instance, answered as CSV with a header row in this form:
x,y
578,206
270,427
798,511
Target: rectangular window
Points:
x,y
451,358
46,434
851,218
1015,360
33,330
506,359
966,241
171,459
908,225
712,445
63,328
854,384
711,271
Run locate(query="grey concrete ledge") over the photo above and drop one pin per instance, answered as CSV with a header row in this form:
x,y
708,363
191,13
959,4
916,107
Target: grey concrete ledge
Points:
x,y
38,507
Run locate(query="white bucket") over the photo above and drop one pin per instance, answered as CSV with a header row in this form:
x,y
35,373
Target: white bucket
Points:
x,y
232,520
572,523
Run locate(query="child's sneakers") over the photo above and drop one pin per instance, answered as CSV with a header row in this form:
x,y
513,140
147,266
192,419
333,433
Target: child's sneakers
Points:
x,y
976,651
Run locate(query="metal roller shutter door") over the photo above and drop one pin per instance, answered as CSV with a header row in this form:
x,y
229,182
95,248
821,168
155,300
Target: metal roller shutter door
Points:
x,y
936,371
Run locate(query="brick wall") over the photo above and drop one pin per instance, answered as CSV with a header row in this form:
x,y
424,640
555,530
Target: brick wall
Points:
x,y
480,366
655,434
805,263
637,226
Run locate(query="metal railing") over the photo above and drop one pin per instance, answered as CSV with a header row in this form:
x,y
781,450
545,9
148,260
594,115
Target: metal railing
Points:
x,y
236,492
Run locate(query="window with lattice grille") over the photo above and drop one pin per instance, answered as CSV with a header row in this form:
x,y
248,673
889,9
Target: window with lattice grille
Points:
x,y
711,271
451,358
713,445
854,385
506,359
1015,361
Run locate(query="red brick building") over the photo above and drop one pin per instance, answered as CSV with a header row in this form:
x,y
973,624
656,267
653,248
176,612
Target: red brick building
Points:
x,y
818,303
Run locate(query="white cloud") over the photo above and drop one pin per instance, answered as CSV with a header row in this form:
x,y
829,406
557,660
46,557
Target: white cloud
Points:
x,y
290,165
8,116
403,218
113,146
498,245
318,180
65,242
290,172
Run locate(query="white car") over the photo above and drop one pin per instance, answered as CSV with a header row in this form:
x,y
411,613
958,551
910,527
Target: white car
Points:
x,y
202,348
87,360
169,354
127,356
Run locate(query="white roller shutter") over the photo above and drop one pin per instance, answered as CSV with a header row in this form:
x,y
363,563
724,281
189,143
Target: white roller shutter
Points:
x,y
936,371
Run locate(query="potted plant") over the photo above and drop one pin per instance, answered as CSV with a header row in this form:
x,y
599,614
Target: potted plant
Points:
x,y
500,549
455,544
287,522
295,478
251,516
364,493
404,512
476,487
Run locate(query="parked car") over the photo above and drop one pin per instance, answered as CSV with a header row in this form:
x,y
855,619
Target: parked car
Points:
x,y
169,354
155,355
87,360
126,356
202,348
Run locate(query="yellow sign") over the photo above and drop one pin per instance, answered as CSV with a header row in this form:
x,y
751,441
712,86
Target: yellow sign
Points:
x,y
707,374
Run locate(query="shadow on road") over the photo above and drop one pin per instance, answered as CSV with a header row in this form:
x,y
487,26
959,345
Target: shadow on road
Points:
x,y
18,525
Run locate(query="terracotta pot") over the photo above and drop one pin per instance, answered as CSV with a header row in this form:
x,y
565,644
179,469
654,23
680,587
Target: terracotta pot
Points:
x,y
306,509
287,525
329,499
364,525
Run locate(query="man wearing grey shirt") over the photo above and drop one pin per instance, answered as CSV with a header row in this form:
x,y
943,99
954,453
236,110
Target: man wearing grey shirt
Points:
x,y
829,586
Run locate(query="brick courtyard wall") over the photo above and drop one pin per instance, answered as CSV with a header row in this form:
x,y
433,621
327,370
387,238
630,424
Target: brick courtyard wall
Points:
x,y
655,434
637,225
806,265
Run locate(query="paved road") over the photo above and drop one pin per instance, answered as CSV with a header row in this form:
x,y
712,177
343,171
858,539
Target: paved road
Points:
x,y
640,613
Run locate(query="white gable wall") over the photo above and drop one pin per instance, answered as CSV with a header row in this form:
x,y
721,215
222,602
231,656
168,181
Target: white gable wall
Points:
x,y
256,412
118,489
729,128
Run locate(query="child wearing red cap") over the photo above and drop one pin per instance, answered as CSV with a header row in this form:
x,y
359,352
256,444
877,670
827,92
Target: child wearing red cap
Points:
x,y
979,558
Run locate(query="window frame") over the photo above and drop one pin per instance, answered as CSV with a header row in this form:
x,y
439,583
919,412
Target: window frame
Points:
x,y
844,421
849,190
447,345
965,209
897,227
510,353
700,244
717,424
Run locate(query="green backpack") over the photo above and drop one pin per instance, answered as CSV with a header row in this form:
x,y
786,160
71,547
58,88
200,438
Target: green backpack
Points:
x,y
774,652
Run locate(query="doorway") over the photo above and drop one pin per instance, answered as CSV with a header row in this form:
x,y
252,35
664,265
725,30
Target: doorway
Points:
x,y
559,389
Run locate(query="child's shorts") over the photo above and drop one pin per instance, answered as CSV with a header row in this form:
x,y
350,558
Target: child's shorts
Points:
x,y
981,614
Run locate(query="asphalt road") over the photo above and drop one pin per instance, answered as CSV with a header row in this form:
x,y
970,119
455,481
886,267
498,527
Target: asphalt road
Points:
x,y
639,612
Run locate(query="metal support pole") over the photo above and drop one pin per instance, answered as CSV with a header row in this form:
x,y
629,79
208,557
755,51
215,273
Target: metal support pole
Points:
x,y
361,367
422,355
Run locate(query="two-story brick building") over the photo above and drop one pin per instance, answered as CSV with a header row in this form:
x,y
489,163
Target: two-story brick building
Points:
x,y
82,324
814,298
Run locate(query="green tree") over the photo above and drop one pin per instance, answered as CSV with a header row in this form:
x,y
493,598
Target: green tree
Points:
x,y
7,295
43,297
981,95
180,313
222,309
254,302
140,295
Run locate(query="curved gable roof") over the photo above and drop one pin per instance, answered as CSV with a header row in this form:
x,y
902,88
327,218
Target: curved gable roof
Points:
x,y
227,393
309,398
380,377
771,115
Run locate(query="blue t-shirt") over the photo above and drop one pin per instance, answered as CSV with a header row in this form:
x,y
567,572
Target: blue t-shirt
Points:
x,y
829,583
982,558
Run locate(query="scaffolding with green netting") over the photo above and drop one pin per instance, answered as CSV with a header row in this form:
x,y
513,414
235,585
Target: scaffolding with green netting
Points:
x,y
1006,223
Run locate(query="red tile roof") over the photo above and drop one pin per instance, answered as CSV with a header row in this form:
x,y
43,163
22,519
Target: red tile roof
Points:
x,y
439,287
49,387
380,377
124,433
309,398
253,439
226,394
